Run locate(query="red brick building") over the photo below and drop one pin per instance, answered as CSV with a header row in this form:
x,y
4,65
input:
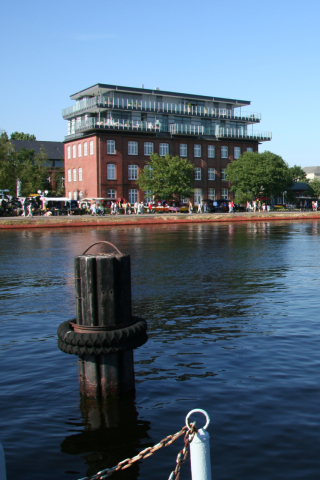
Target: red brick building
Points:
x,y
112,130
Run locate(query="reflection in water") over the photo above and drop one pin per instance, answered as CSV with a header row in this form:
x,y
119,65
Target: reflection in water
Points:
x,y
110,432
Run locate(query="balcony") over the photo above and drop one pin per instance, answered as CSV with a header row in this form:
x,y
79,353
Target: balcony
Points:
x,y
97,103
222,132
174,129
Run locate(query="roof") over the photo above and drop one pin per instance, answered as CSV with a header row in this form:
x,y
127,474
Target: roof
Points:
x,y
311,170
54,150
299,186
102,88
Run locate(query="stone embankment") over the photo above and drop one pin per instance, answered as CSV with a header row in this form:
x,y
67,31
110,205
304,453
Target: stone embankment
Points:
x,y
150,219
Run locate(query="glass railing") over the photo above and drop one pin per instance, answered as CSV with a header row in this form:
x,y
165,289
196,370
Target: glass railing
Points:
x,y
159,107
241,133
174,129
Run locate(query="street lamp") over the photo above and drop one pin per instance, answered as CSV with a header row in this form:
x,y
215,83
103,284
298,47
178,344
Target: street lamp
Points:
x,y
284,193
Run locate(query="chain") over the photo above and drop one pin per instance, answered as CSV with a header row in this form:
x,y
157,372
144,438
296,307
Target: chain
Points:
x,y
147,452
182,455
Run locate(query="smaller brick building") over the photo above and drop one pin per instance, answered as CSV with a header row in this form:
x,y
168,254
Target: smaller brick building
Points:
x,y
112,130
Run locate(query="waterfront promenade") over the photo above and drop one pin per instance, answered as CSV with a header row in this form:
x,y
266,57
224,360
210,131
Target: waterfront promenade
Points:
x,y
150,219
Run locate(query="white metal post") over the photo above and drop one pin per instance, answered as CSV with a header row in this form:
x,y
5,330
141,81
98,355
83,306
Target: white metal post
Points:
x,y
200,450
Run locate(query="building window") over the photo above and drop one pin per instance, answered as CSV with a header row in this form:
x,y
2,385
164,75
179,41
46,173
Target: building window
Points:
x,y
85,149
111,147
183,150
197,150
223,174
163,149
69,175
111,171
148,198
211,151
197,196
80,174
133,196
211,174
91,147
249,149
237,152
75,195
224,152
197,173
80,195
111,193
73,126
74,174
211,193
148,148
79,150
224,193
69,127
69,152
70,195
74,151
132,148
132,172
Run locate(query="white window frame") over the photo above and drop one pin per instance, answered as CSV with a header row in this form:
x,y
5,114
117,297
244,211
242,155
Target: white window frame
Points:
x,y
111,193
148,148
69,151
111,171
132,148
69,175
236,153
211,151
224,152
197,151
132,195
183,150
70,195
211,174
111,147
163,149
197,196
80,174
197,173
224,193
148,197
74,151
132,172
75,195
223,174
91,147
249,149
79,150
211,193
74,174
85,149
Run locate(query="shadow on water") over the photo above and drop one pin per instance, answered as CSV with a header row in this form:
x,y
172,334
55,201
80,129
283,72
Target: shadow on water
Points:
x,y
111,432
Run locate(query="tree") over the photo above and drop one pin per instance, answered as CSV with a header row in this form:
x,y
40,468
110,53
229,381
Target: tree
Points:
x,y
298,174
22,136
255,174
313,189
24,165
167,177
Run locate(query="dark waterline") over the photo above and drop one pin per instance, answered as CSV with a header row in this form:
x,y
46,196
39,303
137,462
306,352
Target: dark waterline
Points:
x,y
233,328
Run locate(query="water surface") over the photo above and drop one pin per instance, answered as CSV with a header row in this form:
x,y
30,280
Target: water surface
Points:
x,y
233,318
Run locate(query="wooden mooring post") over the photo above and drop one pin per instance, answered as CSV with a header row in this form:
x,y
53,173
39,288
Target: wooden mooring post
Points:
x,y
105,333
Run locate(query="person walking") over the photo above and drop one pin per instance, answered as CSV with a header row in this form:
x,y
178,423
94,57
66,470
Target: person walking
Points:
x,y
190,208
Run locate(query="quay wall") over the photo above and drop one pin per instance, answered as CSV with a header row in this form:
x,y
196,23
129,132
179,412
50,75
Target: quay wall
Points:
x,y
164,219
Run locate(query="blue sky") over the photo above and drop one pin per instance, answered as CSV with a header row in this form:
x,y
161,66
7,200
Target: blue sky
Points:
x,y
263,51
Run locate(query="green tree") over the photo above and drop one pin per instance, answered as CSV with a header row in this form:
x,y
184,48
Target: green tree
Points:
x,y
298,174
313,189
255,174
22,136
167,177
24,165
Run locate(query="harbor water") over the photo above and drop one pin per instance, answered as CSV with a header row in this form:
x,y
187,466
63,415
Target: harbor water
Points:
x,y
233,322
